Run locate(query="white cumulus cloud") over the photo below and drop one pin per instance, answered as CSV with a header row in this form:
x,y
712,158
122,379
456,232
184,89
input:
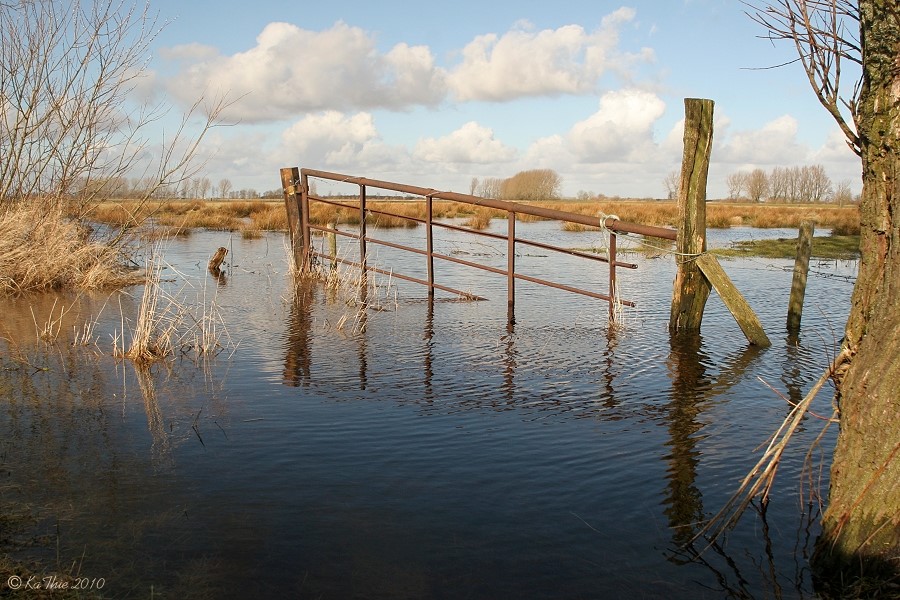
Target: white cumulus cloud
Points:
x,y
774,144
291,70
471,143
334,139
522,62
620,130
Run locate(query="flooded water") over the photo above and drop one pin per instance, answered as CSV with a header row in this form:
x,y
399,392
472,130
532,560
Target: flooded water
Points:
x,y
433,453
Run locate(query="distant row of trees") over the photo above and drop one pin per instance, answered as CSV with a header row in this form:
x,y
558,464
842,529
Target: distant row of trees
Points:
x,y
806,184
197,188
788,184
781,184
137,187
536,184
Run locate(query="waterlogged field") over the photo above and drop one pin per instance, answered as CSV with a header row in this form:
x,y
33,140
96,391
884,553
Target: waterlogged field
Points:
x,y
251,217
417,449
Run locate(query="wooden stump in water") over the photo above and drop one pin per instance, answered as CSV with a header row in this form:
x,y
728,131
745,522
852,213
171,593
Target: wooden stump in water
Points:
x,y
216,261
801,269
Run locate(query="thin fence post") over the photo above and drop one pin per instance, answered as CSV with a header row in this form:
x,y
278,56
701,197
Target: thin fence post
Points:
x,y
332,244
304,222
510,267
429,243
291,187
691,289
613,292
801,268
364,270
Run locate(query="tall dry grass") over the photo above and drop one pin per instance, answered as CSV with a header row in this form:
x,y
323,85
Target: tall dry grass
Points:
x,y
153,337
168,324
42,249
766,216
481,219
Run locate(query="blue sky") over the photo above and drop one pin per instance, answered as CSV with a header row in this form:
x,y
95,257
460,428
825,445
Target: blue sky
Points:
x,y
435,94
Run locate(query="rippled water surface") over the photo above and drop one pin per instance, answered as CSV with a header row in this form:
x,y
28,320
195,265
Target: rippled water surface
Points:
x,y
437,453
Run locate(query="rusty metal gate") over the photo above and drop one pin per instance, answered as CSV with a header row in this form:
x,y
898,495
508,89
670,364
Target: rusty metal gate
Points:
x,y
297,197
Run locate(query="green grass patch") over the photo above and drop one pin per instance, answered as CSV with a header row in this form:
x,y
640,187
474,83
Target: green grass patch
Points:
x,y
839,247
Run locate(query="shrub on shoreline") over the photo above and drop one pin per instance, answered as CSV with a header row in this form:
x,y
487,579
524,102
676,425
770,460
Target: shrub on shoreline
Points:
x,y
41,249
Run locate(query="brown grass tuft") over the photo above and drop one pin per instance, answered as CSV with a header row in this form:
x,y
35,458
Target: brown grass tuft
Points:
x,y
570,226
481,219
41,249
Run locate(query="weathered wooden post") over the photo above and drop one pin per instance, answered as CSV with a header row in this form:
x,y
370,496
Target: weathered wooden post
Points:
x,y
733,300
691,288
291,188
801,268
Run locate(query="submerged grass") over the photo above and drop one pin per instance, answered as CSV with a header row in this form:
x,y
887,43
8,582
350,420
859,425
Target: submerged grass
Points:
x,y
839,247
481,219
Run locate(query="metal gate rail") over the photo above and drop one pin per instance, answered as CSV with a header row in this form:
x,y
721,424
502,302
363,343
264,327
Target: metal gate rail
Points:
x,y
295,183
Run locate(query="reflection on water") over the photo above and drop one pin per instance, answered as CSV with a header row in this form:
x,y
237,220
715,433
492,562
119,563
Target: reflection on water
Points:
x,y
437,451
298,339
684,501
161,448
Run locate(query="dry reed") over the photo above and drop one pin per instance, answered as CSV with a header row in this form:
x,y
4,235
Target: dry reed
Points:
x,y
250,234
571,226
41,250
759,481
156,327
481,219
168,325
358,291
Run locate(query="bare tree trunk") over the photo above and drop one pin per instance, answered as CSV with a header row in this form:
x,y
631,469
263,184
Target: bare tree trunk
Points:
x,y
862,522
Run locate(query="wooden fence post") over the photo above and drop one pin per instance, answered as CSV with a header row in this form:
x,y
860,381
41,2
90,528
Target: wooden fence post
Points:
x,y
801,268
290,186
691,289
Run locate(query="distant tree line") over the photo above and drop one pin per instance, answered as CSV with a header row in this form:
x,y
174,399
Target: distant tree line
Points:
x,y
195,188
788,184
536,184
782,184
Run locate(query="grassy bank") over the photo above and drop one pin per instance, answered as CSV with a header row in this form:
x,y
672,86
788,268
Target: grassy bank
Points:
x,y
258,215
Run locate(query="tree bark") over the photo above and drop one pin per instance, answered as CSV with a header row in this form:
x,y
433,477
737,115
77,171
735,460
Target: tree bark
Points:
x,y
861,526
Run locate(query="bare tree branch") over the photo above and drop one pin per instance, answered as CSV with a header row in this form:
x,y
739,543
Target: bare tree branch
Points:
x,y
824,33
70,127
